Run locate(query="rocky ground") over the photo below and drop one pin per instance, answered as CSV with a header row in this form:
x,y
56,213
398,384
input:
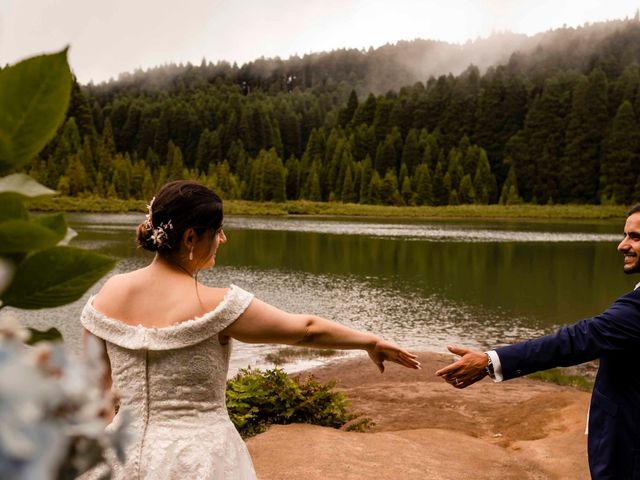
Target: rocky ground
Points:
x,y
425,429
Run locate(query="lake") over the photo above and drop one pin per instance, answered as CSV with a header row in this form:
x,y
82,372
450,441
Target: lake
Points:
x,y
424,284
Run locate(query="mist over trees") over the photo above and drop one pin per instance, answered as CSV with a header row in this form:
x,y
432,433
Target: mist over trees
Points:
x,y
555,121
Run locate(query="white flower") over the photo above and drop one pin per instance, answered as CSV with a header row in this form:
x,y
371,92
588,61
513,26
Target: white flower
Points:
x,y
51,406
12,329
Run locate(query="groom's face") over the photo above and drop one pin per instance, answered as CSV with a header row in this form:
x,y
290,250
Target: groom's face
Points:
x,y
630,244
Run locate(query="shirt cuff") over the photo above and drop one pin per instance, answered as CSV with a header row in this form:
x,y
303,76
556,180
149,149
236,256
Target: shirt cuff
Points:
x,y
497,366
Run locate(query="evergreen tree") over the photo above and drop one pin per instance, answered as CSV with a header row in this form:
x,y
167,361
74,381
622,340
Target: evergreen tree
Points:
x,y
454,171
224,181
458,117
365,182
389,189
147,130
315,192
375,189
430,150
411,151
106,152
587,125
538,150
510,195
80,109
440,191
293,178
137,178
484,182
129,134
76,176
346,114
68,144
381,121
63,185
625,87
237,157
386,156
406,192
467,193
86,158
366,112
316,146
148,185
175,162
404,173
121,177
621,158
423,186
348,188
363,142
289,128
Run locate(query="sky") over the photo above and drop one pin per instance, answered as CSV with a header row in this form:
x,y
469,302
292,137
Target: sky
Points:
x,y
108,37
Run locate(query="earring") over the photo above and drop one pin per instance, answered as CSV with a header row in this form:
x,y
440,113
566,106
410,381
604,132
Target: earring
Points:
x,y
191,253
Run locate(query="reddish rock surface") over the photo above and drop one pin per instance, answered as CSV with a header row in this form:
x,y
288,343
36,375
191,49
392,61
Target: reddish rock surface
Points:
x,y
425,429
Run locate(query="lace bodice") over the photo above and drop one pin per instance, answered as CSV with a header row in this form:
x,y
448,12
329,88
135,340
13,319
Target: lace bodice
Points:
x,y
172,379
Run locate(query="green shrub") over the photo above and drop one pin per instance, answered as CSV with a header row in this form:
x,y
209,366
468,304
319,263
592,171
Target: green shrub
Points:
x,y
257,399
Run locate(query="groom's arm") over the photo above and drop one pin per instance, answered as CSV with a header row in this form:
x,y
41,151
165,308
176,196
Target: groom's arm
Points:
x,y
617,329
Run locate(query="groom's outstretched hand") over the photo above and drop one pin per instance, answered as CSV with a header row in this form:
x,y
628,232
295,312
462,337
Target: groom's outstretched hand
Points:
x,y
467,370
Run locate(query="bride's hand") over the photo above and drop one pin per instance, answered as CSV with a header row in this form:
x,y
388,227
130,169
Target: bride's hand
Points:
x,y
387,351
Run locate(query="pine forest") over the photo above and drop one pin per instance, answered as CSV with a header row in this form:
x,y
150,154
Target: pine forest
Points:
x,y
554,120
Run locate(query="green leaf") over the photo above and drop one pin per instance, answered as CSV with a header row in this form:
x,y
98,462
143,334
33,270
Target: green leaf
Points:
x,y
23,185
22,236
37,336
34,95
55,277
54,222
11,208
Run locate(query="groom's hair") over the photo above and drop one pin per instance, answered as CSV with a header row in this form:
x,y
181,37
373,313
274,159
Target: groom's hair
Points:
x,y
634,209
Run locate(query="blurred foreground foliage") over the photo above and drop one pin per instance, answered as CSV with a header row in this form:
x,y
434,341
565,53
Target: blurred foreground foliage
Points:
x,y
37,269
52,406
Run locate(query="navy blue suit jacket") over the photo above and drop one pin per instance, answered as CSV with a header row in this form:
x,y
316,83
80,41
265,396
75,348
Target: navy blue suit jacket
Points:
x,y
614,415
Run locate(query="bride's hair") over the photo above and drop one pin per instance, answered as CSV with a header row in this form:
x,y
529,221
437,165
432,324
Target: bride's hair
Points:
x,y
178,206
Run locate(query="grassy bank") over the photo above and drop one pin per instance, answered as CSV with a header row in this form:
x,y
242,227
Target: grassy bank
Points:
x,y
560,377
302,207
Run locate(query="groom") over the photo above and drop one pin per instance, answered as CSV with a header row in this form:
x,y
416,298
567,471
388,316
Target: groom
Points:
x,y
614,338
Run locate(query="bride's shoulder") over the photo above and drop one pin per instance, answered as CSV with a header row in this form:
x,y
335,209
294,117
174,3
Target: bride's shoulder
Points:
x,y
115,287
212,296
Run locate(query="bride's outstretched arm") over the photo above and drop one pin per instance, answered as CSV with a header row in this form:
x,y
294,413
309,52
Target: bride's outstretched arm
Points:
x,y
264,323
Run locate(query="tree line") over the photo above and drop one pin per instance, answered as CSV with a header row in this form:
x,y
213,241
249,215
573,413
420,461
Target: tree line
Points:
x,y
527,130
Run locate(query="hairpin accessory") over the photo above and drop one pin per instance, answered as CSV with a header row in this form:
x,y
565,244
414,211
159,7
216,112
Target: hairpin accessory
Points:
x,y
147,222
159,234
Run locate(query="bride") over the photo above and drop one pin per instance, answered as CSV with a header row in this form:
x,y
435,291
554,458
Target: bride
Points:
x,y
167,340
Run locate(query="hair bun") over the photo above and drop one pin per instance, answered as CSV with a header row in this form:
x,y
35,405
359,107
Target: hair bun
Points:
x,y
144,237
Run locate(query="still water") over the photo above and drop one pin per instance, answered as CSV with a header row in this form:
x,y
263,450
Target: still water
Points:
x,y
424,284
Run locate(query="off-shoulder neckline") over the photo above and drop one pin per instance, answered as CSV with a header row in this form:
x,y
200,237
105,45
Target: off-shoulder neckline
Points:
x,y
174,326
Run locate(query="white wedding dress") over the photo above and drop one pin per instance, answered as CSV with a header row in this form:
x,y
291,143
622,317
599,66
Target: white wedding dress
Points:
x,y
173,380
